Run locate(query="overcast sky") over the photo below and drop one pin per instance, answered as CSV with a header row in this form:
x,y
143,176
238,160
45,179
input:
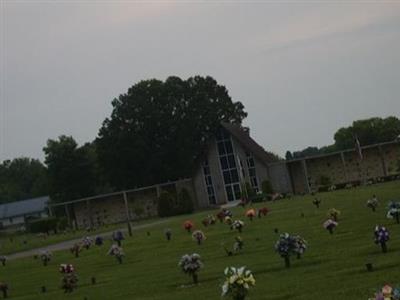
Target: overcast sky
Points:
x,y
301,69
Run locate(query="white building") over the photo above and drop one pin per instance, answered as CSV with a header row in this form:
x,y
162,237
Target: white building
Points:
x,y
16,213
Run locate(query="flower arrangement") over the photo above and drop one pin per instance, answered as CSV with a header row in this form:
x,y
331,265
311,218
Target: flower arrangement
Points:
x,y
317,202
98,241
45,256
69,280
330,225
3,260
87,242
191,264
209,220
381,237
301,246
237,283
75,249
394,211
188,225
66,268
334,214
168,233
263,211
387,292
198,236
228,220
251,213
116,251
238,225
238,245
372,203
288,245
223,214
118,237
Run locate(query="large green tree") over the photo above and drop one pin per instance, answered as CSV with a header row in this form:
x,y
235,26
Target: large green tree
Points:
x,y
71,169
157,129
22,178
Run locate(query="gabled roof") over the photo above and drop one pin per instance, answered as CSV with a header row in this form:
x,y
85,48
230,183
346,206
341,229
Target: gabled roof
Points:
x,y
24,207
248,143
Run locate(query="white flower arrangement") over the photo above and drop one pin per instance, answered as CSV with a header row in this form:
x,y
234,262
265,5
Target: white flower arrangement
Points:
x,y
238,225
191,264
237,283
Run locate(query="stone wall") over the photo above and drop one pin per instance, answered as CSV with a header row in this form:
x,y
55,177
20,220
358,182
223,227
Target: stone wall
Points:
x,y
142,204
379,162
279,177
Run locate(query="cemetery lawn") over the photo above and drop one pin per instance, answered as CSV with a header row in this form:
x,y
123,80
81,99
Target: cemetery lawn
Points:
x,y
333,266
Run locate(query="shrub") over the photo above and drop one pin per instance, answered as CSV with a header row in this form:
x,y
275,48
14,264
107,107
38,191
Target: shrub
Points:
x,y
43,225
249,189
171,205
62,223
184,204
166,204
266,187
138,210
325,180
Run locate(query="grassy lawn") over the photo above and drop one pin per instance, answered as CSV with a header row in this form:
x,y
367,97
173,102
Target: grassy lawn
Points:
x,y
333,266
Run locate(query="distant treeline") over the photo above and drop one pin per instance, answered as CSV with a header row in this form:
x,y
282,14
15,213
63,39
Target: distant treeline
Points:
x,y
368,131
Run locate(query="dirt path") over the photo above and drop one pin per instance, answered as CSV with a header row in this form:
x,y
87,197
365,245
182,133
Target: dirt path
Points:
x,y
68,244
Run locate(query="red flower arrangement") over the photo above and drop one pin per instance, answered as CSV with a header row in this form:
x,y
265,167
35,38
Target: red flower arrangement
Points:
x,y
263,211
188,225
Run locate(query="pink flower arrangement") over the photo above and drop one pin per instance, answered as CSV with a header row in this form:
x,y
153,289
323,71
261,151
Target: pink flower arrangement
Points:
x,y
66,268
330,225
198,236
251,213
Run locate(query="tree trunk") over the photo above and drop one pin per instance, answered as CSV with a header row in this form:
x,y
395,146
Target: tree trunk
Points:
x,y
287,261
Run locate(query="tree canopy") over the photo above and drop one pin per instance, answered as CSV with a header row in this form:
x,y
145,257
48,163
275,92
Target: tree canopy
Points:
x,y
158,129
22,178
71,169
369,131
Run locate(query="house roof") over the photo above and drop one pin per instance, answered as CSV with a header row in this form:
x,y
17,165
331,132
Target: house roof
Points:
x,y
247,142
24,207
